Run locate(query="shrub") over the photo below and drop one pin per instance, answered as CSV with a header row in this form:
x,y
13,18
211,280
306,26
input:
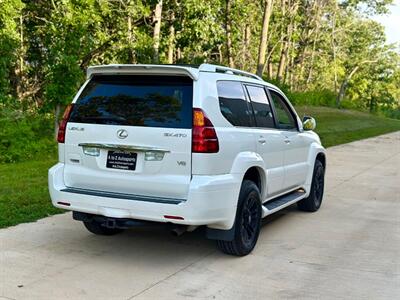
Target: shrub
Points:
x,y
25,135
313,98
307,98
390,113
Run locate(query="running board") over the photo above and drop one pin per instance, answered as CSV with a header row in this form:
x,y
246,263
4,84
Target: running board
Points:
x,y
282,202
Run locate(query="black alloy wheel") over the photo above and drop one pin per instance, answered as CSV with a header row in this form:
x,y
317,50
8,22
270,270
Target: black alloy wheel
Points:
x,y
247,222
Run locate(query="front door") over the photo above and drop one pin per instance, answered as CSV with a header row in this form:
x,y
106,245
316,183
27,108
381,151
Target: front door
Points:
x,y
270,142
296,150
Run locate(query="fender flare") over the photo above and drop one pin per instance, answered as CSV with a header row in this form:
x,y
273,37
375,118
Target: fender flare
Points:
x,y
246,160
242,162
315,150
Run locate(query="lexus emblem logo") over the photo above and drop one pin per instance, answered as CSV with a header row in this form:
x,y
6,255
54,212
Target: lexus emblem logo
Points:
x,y
122,133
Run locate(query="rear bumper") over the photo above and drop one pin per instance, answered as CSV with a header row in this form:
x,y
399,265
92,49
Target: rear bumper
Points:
x,y
211,201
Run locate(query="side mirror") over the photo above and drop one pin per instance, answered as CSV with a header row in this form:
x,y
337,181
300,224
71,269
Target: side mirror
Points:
x,y
309,123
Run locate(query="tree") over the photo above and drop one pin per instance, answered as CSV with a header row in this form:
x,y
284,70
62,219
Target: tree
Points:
x,y
290,11
362,49
156,32
10,40
264,37
228,28
313,45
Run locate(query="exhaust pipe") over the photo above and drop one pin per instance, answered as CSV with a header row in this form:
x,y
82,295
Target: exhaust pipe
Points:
x,y
178,230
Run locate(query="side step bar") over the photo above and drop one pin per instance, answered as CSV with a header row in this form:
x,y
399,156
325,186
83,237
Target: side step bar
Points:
x,y
282,201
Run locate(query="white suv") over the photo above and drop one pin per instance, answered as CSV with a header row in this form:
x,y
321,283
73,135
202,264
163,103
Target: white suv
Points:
x,y
185,146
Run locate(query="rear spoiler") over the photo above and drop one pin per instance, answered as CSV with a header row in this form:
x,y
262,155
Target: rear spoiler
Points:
x,y
143,69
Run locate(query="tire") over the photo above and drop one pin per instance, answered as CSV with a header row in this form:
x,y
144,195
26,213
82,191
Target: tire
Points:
x,y
96,228
247,222
313,201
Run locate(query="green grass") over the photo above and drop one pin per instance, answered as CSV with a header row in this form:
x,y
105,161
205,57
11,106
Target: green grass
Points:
x,y
23,186
343,126
24,196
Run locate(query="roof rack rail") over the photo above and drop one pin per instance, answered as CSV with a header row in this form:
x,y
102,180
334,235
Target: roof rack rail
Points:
x,y
222,69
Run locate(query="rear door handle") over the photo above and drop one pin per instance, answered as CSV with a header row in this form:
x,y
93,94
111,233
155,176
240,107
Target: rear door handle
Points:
x,y
286,140
262,140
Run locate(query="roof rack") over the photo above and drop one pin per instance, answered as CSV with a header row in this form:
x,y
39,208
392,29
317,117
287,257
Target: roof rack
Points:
x,y
222,69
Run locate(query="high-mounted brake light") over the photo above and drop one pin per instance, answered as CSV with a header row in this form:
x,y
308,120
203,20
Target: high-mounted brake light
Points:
x,y
204,137
173,217
63,124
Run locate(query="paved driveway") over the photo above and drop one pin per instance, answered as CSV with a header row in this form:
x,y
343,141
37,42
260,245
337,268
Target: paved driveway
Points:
x,y
349,249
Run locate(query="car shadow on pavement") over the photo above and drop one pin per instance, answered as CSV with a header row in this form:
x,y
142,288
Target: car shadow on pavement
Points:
x,y
156,244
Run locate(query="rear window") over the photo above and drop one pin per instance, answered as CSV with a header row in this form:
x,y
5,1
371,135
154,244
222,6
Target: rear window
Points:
x,y
151,101
233,104
261,107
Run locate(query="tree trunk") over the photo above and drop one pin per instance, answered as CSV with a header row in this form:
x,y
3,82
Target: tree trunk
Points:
x,y
131,54
178,54
228,26
268,63
300,64
282,61
264,37
270,69
21,58
343,86
372,104
310,69
19,70
291,65
289,71
56,119
284,44
220,55
288,63
95,52
246,46
171,40
282,68
317,27
312,19
345,82
156,32
333,45
341,94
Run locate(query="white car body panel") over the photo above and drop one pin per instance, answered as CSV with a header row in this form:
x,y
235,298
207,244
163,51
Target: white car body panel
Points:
x,y
86,171
271,147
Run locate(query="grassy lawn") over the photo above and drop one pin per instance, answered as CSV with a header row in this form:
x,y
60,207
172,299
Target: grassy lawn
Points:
x,y
23,192
23,186
337,127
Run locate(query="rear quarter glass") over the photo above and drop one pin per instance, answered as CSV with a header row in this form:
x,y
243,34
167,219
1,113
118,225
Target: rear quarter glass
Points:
x,y
133,100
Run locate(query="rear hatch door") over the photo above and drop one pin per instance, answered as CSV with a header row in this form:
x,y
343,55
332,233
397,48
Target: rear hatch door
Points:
x,y
131,134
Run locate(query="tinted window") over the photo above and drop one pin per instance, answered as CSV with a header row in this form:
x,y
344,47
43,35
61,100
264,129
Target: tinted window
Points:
x,y
284,116
261,107
153,101
233,103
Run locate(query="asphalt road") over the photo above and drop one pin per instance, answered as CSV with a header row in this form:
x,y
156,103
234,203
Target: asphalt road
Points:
x,y
350,249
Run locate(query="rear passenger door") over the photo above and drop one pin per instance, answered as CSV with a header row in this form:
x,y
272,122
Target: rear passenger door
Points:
x,y
270,143
238,138
296,148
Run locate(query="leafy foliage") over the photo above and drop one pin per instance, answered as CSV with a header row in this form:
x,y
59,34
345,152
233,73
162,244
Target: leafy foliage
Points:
x,y
24,136
321,52
319,45
9,13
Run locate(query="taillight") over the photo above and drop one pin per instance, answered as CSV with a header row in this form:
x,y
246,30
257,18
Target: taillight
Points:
x,y
63,124
204,137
